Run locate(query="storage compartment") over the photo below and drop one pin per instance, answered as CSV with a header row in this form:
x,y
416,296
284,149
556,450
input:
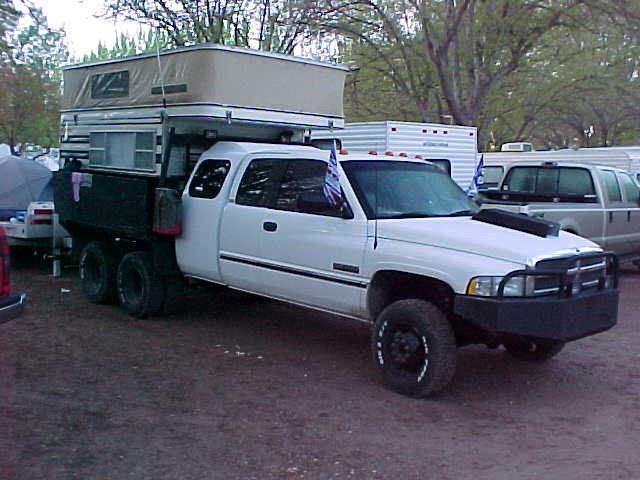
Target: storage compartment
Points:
x,y
116,203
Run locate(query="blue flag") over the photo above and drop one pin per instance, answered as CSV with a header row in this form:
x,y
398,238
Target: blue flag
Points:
x,y
331,187
478,179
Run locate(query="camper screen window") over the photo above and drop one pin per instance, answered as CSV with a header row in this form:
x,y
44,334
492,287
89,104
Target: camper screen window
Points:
x,y
122,150
110,85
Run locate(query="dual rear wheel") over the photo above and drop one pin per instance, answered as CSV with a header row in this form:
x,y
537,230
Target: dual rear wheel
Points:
x,y
141,291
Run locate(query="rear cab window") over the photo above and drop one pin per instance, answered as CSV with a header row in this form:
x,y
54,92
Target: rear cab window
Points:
x,y
571,184
208,179
492,175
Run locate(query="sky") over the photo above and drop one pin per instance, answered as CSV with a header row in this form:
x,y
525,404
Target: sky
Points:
x,y
83,30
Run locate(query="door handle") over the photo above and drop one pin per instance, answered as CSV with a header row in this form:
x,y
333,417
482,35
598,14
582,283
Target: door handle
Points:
x,y
270,226
610,217
628,215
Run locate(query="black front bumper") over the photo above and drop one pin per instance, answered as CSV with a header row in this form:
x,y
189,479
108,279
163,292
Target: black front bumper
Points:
x,y
548,318
11,307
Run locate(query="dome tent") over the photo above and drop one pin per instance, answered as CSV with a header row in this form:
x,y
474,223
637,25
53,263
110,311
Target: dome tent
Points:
x,y
22,181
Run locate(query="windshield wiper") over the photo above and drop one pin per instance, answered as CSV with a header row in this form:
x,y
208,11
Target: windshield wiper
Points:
x,y
461,213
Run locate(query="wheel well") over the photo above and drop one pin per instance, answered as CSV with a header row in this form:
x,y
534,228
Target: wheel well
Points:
x,y
388,286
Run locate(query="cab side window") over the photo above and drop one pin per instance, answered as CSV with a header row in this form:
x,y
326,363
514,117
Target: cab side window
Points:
x,y
301,187
631,190
611,184
209,178
257,183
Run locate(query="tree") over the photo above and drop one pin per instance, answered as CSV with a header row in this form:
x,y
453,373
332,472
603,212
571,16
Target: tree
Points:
x,y
574,89
270,25
8,19
30,82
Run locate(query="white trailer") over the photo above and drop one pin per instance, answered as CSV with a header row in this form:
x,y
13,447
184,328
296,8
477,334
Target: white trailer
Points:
x,y
452,147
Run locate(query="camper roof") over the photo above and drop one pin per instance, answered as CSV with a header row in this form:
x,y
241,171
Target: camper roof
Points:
x,y
209,75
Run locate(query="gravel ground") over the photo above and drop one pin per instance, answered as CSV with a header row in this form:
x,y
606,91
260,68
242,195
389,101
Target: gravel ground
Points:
x,y
244,388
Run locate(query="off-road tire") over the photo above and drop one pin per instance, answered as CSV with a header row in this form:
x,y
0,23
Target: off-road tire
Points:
x,y
530,351
140,290
98,267
414,348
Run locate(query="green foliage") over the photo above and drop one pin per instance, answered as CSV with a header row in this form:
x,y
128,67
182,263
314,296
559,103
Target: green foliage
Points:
x,y
271,25
30,82
127,45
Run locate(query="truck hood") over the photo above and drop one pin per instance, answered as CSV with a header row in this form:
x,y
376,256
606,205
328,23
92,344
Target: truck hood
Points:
x,y
472,236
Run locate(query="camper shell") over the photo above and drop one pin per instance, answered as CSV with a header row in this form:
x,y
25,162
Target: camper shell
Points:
x,y
452,147
131,125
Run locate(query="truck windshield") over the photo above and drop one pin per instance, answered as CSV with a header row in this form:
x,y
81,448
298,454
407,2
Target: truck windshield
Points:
x,y
395,189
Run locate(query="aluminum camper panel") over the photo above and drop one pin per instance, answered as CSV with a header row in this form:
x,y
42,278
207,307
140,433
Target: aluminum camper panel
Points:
x,y
209,75
454,143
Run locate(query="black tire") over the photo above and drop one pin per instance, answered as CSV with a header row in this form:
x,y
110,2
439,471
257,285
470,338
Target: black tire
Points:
x,y
175,295
98,266
414,348
529,351
140,291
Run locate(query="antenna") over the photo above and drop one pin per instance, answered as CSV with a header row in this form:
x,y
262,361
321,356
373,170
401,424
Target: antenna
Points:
x,y
164,98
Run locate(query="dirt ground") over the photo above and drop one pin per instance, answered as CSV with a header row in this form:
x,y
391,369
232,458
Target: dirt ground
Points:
x,y
244,388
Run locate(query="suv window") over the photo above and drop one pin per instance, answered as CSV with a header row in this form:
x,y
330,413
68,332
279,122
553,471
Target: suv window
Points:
x,y
256,184
611,184
631,191
550,181
209,178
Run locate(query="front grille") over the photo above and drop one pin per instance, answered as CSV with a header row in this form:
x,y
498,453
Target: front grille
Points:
x,y
582,272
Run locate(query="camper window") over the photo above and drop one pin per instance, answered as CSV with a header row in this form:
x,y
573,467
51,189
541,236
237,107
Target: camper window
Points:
x,y
122,150
110,85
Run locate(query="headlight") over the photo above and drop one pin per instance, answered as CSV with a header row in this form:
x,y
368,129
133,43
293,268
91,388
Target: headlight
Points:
x,y
484,286
488,286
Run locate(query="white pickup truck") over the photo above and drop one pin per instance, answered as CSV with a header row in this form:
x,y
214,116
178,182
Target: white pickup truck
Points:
x,y
197,163
406,250
597,202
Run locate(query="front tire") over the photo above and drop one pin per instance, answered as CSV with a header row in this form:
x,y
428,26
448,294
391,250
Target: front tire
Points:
x,y
98,266
530,351
414,348
140,290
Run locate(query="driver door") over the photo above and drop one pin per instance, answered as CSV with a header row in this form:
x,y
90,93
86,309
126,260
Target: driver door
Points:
x,y
314,258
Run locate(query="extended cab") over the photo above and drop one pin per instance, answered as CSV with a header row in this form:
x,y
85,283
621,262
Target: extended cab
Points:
x,y
11,304
597,202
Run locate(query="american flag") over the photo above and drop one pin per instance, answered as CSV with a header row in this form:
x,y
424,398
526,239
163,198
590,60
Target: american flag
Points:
x,y
331,187
478,179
